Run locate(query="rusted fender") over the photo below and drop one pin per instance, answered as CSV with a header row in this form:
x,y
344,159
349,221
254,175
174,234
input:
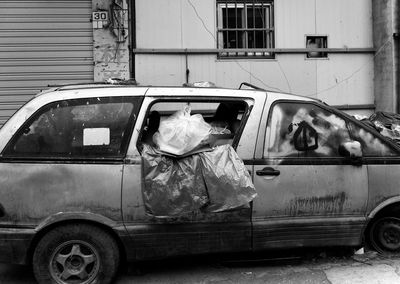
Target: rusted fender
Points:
x,y
66,216
383,205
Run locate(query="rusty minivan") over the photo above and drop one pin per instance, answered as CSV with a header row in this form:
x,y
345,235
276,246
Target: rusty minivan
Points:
x,y
71,201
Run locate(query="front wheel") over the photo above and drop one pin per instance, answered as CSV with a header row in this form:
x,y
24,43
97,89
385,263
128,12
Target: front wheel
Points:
x,y
384,235
76,253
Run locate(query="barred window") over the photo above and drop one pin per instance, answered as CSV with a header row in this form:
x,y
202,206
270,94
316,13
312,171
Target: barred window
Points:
x,y
245,25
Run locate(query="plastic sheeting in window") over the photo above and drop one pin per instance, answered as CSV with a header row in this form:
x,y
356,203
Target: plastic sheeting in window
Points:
x,y
211,181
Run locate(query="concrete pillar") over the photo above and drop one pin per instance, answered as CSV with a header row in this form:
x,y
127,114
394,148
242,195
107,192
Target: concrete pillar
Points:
x,y
385,77
110,39
397,50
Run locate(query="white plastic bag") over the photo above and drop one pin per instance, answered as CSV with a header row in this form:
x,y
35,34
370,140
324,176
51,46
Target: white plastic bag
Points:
x,y
182,133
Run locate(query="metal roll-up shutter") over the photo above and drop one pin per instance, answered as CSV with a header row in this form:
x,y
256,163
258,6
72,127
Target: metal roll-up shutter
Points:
x,y
46,42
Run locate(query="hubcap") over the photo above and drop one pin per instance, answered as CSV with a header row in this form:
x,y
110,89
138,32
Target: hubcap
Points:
x,y
74,262
390,236
385,235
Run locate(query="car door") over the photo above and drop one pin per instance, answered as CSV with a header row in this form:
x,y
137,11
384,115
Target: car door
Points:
x,y
67,158
309,194
198,232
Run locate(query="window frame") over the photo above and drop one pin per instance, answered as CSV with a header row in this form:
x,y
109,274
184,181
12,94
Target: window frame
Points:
x,y
319,54
268,29
347,118
136,103
238,134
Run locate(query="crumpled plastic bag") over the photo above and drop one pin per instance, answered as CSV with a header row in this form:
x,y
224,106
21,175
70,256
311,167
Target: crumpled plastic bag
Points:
x,y
172,187
182,133
211,181
227,179
388,124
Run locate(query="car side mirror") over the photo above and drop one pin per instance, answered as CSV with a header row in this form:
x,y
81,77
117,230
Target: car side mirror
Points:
x,y
351,150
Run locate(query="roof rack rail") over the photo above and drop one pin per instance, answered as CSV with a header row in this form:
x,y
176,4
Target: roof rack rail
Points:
x,y
250,85
111,81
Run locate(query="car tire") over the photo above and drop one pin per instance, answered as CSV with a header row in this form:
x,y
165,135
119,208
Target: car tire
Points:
x,y
76,253
384,235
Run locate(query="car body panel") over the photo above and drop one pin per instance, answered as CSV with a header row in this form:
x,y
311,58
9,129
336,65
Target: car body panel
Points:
x,y
31,192
312,202
383,180
306,189
202,232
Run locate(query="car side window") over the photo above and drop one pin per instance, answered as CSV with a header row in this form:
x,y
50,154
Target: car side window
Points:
x,y
304,130
94,127
371,145
307,130
224,117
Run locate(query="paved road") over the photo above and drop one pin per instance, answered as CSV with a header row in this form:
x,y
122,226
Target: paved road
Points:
x,y
334,267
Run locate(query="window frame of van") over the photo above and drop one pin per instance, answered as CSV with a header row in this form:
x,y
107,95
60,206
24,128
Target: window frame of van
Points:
x,y
239,132
347,118
9,156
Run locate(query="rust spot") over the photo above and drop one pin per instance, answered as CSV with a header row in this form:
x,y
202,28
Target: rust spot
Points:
x,y
324,205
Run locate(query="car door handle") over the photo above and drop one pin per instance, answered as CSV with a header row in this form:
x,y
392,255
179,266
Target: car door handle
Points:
x,y
268,172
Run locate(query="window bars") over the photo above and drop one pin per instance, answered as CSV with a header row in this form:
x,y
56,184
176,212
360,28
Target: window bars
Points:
x,y
246,27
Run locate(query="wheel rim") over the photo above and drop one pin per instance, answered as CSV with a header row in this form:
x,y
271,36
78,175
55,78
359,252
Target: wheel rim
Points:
x,y
386,235
74,262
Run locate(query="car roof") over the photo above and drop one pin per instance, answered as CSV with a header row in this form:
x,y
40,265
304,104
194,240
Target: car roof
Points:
x,y
101,89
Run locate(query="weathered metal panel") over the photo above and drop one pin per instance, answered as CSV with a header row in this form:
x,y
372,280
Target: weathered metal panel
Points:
x,y
383,182
319,78
288,73
159,70
346,79
48,189
347,23
202,68
158,23
293,19
42,43
199,24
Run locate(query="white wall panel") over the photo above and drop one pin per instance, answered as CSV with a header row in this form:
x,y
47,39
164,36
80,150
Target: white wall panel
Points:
x,y
346,79
159,24
231,73
293,19
202,68
295,74
160,70
198,24
347,23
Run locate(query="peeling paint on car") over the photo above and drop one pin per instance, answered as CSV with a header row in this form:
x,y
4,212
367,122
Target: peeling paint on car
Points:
x,y
325,205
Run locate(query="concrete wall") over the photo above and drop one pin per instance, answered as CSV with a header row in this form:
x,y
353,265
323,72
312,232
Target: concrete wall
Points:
x,y
111,54
384,79
340,79
396,20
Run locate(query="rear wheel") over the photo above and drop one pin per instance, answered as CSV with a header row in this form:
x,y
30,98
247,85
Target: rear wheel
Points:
x,y
384,235
76,253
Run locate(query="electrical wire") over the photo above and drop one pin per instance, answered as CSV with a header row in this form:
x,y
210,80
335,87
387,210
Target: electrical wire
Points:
x,y
389,40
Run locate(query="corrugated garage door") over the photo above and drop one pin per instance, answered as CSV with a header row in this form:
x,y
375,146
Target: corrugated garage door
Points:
x,y
42,43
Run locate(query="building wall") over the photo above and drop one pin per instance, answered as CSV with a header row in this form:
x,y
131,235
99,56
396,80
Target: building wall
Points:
x,y
340,79
110,42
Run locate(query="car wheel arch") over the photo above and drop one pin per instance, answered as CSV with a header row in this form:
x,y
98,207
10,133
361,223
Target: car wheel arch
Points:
x,y
41,231
390,205
388,208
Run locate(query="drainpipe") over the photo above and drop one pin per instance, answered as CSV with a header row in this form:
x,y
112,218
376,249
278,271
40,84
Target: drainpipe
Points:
x,y
396,37
132,39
